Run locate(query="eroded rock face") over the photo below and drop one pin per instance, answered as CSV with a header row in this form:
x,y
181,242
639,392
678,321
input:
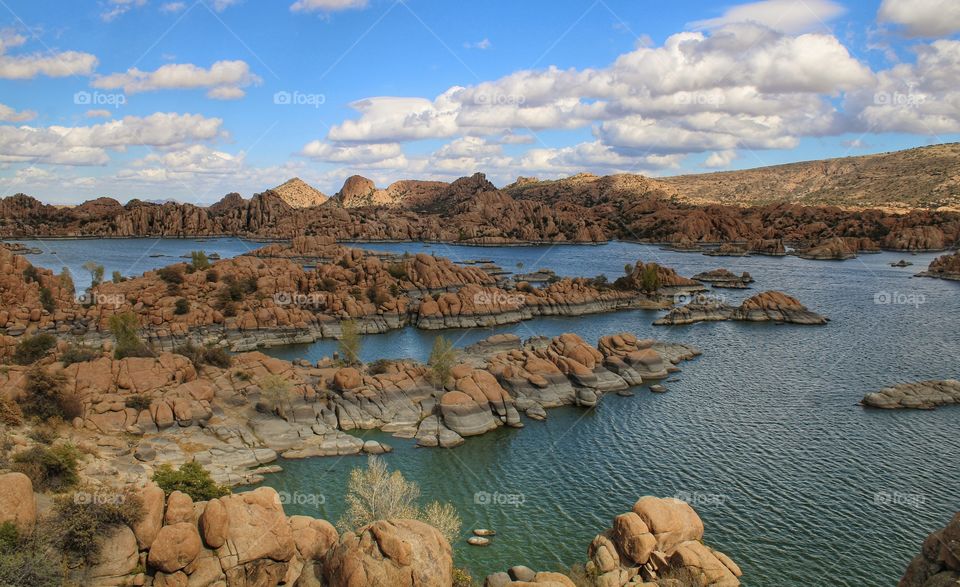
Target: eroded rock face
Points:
x,y
938,564
944,267
404,553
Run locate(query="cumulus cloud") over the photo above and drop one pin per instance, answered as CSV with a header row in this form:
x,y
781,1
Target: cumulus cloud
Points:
x,y
51,63
791,16
89,145
720,159
8,114
374,154
224,80
117,8
327,5
172,7
922,18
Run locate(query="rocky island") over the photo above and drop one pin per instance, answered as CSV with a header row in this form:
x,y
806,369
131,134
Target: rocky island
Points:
x,y
768,306
922,395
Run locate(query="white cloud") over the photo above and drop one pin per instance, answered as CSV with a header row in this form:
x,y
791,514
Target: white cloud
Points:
x,y
89,145
482,44
327,5
98,114
720,159
224,79
117,8
922,18
379,154
172,7
221,5
791,16
51,63
8,114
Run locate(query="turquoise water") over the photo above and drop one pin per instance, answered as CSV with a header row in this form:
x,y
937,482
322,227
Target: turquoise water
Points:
x,y
794,480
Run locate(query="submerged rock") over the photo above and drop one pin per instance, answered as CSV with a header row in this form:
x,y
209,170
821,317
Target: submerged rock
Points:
x,y
922,395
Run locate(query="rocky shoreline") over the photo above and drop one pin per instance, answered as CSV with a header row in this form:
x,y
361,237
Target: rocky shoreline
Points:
x,y
138,413
938,563
922,395
944,267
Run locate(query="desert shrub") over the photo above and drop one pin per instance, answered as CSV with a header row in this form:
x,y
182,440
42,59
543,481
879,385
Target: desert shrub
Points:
x,y
679,577
650,279
46,300
66,280
32,560
199,261
275,392
581,576
44,396
10,412
229,309
43,435
600,282
441,360
138,402
375,494
181,306
95,271
191,478
213,276
462,578
117,277
379,367
350,343
200,356
328,284
31,274
80,519
78,354
33,348
171,274
49,468
124,328
397,270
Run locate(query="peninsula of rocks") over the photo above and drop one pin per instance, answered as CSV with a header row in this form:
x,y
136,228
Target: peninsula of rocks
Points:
x,y
944,267
938,563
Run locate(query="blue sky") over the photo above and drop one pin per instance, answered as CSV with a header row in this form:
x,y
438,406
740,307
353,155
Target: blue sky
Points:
x,y
191,100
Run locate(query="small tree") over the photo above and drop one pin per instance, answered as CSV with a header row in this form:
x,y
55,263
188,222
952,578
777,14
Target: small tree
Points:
x,y
650,278
442,356
375,494
33,348
45,397
350,343
66,280
191,478
275,392
627,269
124,327
199,261
46,300
117,277
95,271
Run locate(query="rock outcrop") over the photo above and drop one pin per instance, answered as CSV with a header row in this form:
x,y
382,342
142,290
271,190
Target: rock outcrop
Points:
x,y
299,194
923,395
938,564
768,306
944,267
725,279
657,544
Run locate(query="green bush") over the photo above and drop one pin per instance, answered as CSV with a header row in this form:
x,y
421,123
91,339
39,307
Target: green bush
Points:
x,y
49,468
46,300
31,274
462,578
44,396
441,361
182,306
138,402
117,277
32,348
191,478
81,518
124,328
397,270
78,354
29,560
172,274
199,261
350,343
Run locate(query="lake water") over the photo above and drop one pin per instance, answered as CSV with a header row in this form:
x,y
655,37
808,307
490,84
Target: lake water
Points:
x,y
762,433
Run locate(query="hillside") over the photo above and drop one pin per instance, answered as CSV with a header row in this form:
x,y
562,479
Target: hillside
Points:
x,y
925,177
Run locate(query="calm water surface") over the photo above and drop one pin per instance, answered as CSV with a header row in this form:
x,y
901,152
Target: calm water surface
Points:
x,y
763,434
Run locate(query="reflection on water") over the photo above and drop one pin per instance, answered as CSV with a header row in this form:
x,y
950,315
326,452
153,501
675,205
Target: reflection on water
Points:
x,y
795,481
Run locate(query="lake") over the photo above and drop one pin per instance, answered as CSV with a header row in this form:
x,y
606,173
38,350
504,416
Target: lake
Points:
x,y
762,433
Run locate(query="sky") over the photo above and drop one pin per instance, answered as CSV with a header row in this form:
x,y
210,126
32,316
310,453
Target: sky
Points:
x,y
190,100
